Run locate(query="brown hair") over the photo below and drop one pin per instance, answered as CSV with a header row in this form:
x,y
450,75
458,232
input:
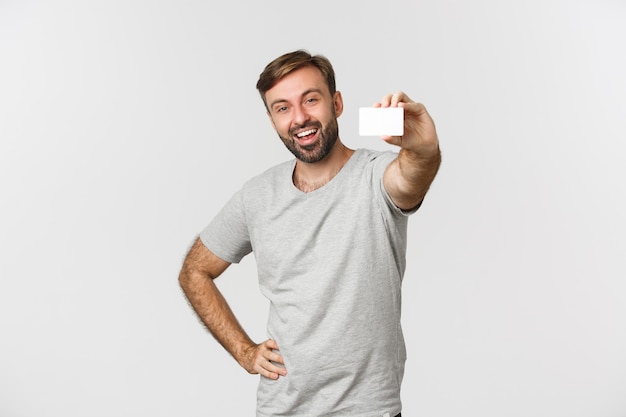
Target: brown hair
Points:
x,y
289,62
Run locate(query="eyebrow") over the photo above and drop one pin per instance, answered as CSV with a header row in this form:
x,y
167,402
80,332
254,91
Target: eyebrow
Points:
x,y
306,92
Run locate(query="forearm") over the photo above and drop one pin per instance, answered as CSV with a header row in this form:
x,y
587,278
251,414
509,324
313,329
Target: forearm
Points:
x,y
411,175
213,310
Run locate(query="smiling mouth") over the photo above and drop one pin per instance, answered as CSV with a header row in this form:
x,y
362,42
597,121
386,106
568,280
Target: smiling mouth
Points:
x,y
304,134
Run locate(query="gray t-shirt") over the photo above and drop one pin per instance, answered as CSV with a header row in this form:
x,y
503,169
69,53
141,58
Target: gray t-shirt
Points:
x,y
331,263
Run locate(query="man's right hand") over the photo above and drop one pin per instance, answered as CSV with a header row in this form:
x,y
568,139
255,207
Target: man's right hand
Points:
x,y
200,269
259,359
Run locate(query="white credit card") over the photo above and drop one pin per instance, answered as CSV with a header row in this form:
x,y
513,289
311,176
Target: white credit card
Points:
x,y
381,121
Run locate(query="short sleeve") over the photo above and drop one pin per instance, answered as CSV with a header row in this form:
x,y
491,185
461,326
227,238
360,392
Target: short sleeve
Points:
x,y
227,235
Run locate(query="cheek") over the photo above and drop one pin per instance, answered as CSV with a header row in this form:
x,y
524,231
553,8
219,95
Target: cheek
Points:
x,y
279,125
283,128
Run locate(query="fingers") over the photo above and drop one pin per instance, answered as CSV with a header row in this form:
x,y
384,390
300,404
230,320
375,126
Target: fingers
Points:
x,y
393,100
269,352
393,140
418,125
397,99
419,130
270,344
265,359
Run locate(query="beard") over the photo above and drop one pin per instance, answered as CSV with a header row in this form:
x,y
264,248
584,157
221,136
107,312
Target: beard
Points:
x,y
321,148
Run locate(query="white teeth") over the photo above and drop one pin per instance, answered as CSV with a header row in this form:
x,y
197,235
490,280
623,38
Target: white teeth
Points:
x,y
306,133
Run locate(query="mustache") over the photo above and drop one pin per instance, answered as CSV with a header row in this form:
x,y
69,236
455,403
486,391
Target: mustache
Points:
x,y
311,125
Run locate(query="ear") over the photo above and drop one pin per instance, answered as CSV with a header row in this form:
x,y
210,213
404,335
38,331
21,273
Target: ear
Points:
x,y
338,103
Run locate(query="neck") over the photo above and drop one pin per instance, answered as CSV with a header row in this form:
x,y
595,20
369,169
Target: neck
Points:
x,y
308,177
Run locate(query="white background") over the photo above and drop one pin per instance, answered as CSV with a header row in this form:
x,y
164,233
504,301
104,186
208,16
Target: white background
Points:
x,y
126,125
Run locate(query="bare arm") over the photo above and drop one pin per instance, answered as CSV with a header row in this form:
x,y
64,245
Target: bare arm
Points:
x,y
408,178
196,277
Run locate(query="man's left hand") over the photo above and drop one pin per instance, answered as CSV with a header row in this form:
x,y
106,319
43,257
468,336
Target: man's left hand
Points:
x,y
420,135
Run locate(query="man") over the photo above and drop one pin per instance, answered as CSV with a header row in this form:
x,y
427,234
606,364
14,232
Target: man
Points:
x,y
328,231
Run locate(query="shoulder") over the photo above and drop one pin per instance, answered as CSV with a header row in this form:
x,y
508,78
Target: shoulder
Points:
x,y
374,159
270,176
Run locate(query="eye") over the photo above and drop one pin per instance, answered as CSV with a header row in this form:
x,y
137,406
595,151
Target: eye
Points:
x,y
311,100
281,109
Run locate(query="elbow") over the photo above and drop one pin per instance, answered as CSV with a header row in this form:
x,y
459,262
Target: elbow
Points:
x,y
184,282
190,278
186,277
183,279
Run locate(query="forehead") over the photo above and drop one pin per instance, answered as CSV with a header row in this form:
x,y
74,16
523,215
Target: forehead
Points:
x,y
293,85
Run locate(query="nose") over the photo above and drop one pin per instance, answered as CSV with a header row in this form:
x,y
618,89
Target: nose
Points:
x,y
300,116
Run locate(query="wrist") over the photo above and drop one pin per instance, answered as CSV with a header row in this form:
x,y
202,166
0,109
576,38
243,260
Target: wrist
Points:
x,y
422,153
